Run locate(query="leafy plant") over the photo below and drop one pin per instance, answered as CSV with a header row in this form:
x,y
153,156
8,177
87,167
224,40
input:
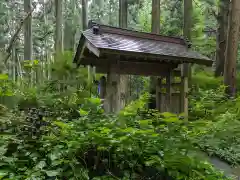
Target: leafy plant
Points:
x,y
100,146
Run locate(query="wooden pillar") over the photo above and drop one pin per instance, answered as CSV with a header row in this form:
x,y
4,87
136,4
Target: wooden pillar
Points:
x,y
122,91
111,103
103,83
159,94
184,92
169,79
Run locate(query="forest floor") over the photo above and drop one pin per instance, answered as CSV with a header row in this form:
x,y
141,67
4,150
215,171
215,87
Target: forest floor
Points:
x,y
57,138
216,121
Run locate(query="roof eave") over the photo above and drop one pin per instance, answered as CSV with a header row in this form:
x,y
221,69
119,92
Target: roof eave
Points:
x,y
80,48
166,58
82,45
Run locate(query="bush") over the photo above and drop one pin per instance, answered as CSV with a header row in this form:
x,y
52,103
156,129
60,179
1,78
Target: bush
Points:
x,y
58,131
220,135
100,146
206,81
203,103
217,125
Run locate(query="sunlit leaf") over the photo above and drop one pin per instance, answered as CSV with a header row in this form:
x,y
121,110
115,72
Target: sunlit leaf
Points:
x,y
83,112
3,77
52,173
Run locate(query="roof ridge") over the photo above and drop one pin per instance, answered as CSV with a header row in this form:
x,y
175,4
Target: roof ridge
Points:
x,y
139,34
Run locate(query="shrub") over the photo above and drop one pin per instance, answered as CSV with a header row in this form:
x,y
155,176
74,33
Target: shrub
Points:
x,y
100,146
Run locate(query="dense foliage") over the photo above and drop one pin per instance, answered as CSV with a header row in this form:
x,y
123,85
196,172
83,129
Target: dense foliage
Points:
x,y
131,145
219,131
53,125
62,133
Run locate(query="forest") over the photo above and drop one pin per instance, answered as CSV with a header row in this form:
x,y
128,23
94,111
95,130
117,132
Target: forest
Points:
x,y
52,122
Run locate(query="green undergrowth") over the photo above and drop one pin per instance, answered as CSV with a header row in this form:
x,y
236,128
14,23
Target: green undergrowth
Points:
x,y
219,133
216,121
222,139
135,144
56,130
205,80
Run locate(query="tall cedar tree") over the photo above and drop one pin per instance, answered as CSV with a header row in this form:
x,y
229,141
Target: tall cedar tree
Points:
x,y
232,48
59,28
222,20
28,32
124,79
156,30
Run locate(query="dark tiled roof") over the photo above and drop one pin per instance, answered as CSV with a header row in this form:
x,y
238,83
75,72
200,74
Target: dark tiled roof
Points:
x,y
117,39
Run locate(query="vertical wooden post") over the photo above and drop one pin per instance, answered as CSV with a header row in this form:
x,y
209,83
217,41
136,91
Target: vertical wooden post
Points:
x,y
123,83
156,30
159,94
186,68
187,28
103,83
184,93
169,91
111,103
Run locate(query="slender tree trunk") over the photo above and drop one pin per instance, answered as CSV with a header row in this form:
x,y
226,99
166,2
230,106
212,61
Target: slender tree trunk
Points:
x,y
28,32
47,60
156,30
14,64
74,29
221,36
124,79
187,29
187,19
123,6
59,35
70,29
156,16
85,26
232,48
100,10
111,4
59,28
186,68
28,38
84,14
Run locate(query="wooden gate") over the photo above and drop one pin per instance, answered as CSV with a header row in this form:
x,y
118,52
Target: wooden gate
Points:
x,y
171,93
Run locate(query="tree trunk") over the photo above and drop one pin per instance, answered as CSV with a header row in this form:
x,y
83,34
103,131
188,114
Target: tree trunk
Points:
x,y
232,48
110,20
156,16
221,36
186,68
84,14
28,31
59,28
187,30
111,4
124,79
123,6
28,37
85,26
155,30
47,62
70,29
100,10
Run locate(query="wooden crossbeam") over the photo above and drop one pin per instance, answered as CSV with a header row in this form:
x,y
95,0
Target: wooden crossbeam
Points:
x,y
133,67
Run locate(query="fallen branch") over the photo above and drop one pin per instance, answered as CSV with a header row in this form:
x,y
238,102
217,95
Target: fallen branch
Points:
x,y
14,37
